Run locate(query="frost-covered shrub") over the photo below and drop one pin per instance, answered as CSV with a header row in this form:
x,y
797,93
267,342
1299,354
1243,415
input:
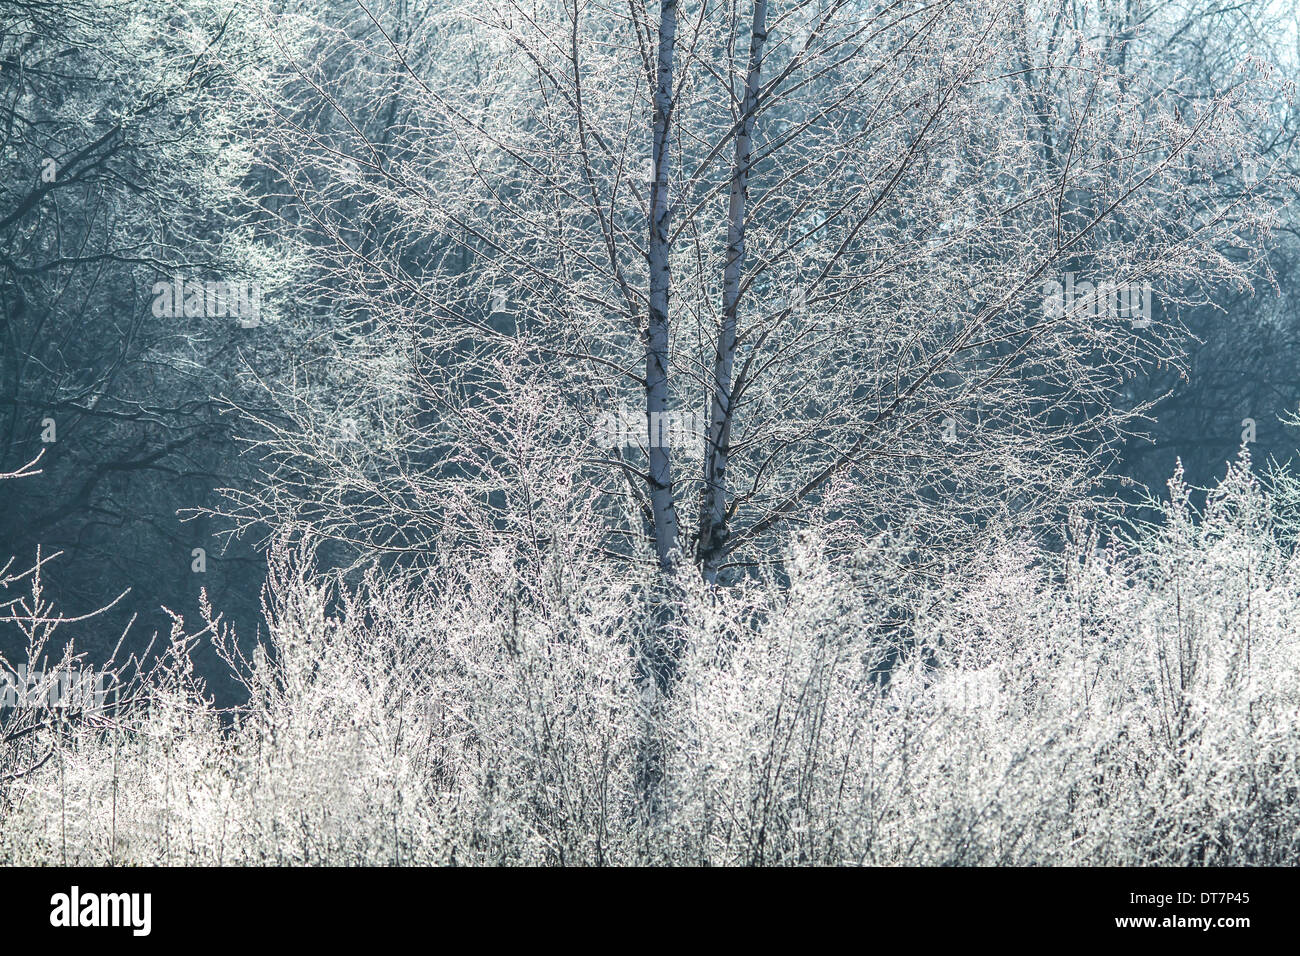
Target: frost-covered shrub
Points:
x,y
1133,699
1131,703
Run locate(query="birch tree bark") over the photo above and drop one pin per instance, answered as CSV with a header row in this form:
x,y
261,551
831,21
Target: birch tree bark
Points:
x,y
657,329
713,516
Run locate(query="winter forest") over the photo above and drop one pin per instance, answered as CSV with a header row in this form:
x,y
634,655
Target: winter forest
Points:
x,y
649,432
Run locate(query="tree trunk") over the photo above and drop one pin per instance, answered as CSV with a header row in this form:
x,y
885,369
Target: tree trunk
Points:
x,y
713,513
656,334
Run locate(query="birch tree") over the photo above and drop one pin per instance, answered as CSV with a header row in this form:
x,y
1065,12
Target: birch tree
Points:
x,y
824,228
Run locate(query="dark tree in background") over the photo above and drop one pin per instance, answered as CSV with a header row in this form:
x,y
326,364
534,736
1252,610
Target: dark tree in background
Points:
x,y
1238,380
121,165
